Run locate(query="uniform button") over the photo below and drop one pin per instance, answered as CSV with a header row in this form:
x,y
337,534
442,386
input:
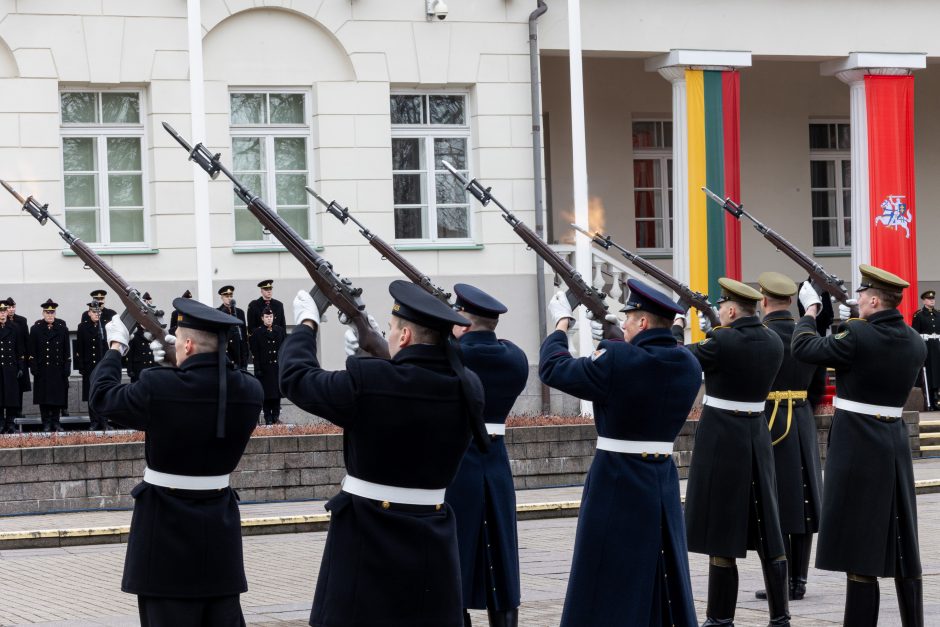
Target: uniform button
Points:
x,y
386,504
643,455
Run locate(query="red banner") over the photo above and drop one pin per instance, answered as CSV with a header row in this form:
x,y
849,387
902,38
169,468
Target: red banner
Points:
x,y
890,102
731,113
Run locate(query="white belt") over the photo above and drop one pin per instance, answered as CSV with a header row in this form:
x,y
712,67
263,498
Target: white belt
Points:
x,y
930,336
185,482
633,446
721,403
390,493
496,428
865,408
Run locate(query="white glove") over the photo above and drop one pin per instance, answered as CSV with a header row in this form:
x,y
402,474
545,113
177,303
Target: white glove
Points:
x,y
117,332
845,311
597,326
704,323
350,337
157,347
559,308
808,296
679,320
305,308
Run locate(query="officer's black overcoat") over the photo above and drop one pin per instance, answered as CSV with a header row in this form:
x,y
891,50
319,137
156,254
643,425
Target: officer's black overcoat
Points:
x,y
869,512
238,349
732,463
255,308
265,345
796,452
630,559
23,326
927,322
404,425
91,343
12,364
51,362
482,494
139,355
183,543
106,316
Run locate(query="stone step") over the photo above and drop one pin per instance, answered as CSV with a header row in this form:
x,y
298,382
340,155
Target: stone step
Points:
x,y
929,426
929,448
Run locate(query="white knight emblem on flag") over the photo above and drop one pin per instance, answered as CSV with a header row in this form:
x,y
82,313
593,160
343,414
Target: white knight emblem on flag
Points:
x,y
894,214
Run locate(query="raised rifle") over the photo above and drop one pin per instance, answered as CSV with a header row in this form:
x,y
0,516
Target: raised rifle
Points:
x,y
579,292
823,280
329,287
387,252
687,296
136,309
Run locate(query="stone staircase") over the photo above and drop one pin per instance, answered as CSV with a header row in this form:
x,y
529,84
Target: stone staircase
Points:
x,y
930,434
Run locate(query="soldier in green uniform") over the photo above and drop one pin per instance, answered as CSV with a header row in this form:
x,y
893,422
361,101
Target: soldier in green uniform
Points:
x,y
731,500
793,434
869,513
926,321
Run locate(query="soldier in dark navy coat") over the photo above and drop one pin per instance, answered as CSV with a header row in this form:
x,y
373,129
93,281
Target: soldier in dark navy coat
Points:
x,y
731,497
184,553
482,494
139,355
23,326
175,315
51,363
238,348
90,346
12,369
630,563
793,435
391,551
106,314
266,299
926,321
266,343
869,512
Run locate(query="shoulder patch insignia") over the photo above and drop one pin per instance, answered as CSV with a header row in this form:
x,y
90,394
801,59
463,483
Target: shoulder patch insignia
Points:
x,y
598,354
841,335
706,340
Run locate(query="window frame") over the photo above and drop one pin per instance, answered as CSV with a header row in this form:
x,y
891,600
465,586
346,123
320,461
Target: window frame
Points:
x,y
837,156
268,132
428,133
100,132
662,155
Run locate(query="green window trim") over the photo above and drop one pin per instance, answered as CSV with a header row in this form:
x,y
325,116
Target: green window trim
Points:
x,y
241,250
436,246
68,252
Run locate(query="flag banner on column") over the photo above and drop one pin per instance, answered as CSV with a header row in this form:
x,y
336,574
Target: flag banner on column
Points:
x,y
714,161
890,103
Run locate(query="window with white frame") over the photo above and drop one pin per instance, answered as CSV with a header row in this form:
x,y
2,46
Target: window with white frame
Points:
x,y
830,169
430,204
652,184
270,136
103,167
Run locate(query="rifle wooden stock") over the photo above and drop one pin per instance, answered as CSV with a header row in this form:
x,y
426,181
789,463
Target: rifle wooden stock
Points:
x,y
578,289
823,280
384,249
340,292
147,316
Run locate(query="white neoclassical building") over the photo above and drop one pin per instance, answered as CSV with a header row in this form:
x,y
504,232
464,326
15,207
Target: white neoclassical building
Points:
x,y
362,99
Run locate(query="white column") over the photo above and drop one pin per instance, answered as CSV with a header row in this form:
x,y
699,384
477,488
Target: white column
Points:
x,y
852,71
197,101
582,253
680,172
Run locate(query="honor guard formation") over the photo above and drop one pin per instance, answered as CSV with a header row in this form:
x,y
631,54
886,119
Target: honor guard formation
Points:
x,y
423,527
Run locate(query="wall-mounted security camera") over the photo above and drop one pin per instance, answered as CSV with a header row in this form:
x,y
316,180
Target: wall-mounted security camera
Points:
x,y
436,9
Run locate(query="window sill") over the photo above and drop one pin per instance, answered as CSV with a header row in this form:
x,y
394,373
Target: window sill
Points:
x,y
437,246
654,254
68,252
240,250
832,252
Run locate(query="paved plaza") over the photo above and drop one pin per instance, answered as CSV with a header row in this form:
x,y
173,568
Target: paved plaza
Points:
x,y
80,586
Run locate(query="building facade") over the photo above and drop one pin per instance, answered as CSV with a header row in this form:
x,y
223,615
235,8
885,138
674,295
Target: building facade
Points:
x,y
363,99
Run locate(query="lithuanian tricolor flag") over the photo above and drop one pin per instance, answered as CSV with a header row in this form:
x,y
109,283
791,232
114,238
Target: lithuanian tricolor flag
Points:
x,y
715,162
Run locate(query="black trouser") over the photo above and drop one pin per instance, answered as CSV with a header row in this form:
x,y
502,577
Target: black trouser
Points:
x,y
7,414
98,422
50,417
209,612
272,410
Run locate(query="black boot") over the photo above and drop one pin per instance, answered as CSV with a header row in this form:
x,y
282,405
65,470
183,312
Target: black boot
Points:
x,y
910,600
862,599
775,582
503,618
722,595
46,421
466,616
801,545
